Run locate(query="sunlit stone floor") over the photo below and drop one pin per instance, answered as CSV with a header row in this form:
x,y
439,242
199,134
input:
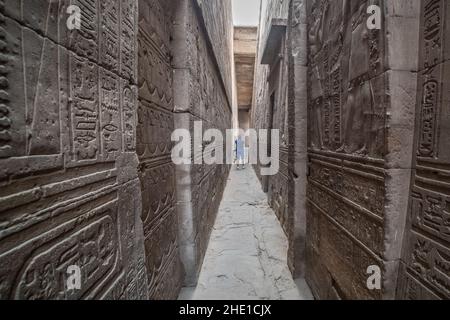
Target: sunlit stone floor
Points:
x,y
247,254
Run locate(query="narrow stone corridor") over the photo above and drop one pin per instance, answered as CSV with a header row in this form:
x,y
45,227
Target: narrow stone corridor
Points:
x,y
120,120
247,254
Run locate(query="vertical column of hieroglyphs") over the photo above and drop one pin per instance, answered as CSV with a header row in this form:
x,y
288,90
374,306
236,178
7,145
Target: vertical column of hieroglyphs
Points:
x,y
425,271
346,121
69,189
155,126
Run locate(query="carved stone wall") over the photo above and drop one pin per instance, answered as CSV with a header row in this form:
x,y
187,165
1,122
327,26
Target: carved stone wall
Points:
x,y
361,123
86,117
154,146
70,193
349,141
218,21
203,100
279,102
425,266
269,108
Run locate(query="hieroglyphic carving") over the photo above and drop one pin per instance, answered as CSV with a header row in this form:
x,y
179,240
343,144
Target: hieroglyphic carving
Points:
x,y
110,116
155,74
129,119
6,121
128,47
359,187
430,212
426,261
154,128
161,245
339,39
69,191
93,248
84,109
203,99
85,41
89,240
334,251
109,28
429,261
430,102
347,124
362,225
336,101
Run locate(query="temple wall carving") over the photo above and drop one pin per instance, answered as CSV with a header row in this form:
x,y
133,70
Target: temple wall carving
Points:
x,y
349,107
70,193
86,117
279,91
203,101
425,265
154,128
361,123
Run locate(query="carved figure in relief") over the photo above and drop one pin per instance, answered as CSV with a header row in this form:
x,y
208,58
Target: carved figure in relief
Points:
x,y
359,111
357,120
316,28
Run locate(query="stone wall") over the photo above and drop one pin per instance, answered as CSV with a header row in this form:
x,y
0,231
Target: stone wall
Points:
x,y
425,272
70,193
279,99
298,129
270,104
361,85
351,119
86,118
154,129
217,17
202,99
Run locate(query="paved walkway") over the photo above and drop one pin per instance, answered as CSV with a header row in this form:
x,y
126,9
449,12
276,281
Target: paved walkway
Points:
x,y
247,252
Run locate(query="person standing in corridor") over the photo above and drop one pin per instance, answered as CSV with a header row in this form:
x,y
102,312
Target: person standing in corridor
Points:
x,y
240,152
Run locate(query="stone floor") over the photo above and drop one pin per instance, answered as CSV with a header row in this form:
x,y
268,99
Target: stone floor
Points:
x,y
246,256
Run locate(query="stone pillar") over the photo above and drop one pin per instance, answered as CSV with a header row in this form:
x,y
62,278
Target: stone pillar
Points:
x,y
402,43
297,110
